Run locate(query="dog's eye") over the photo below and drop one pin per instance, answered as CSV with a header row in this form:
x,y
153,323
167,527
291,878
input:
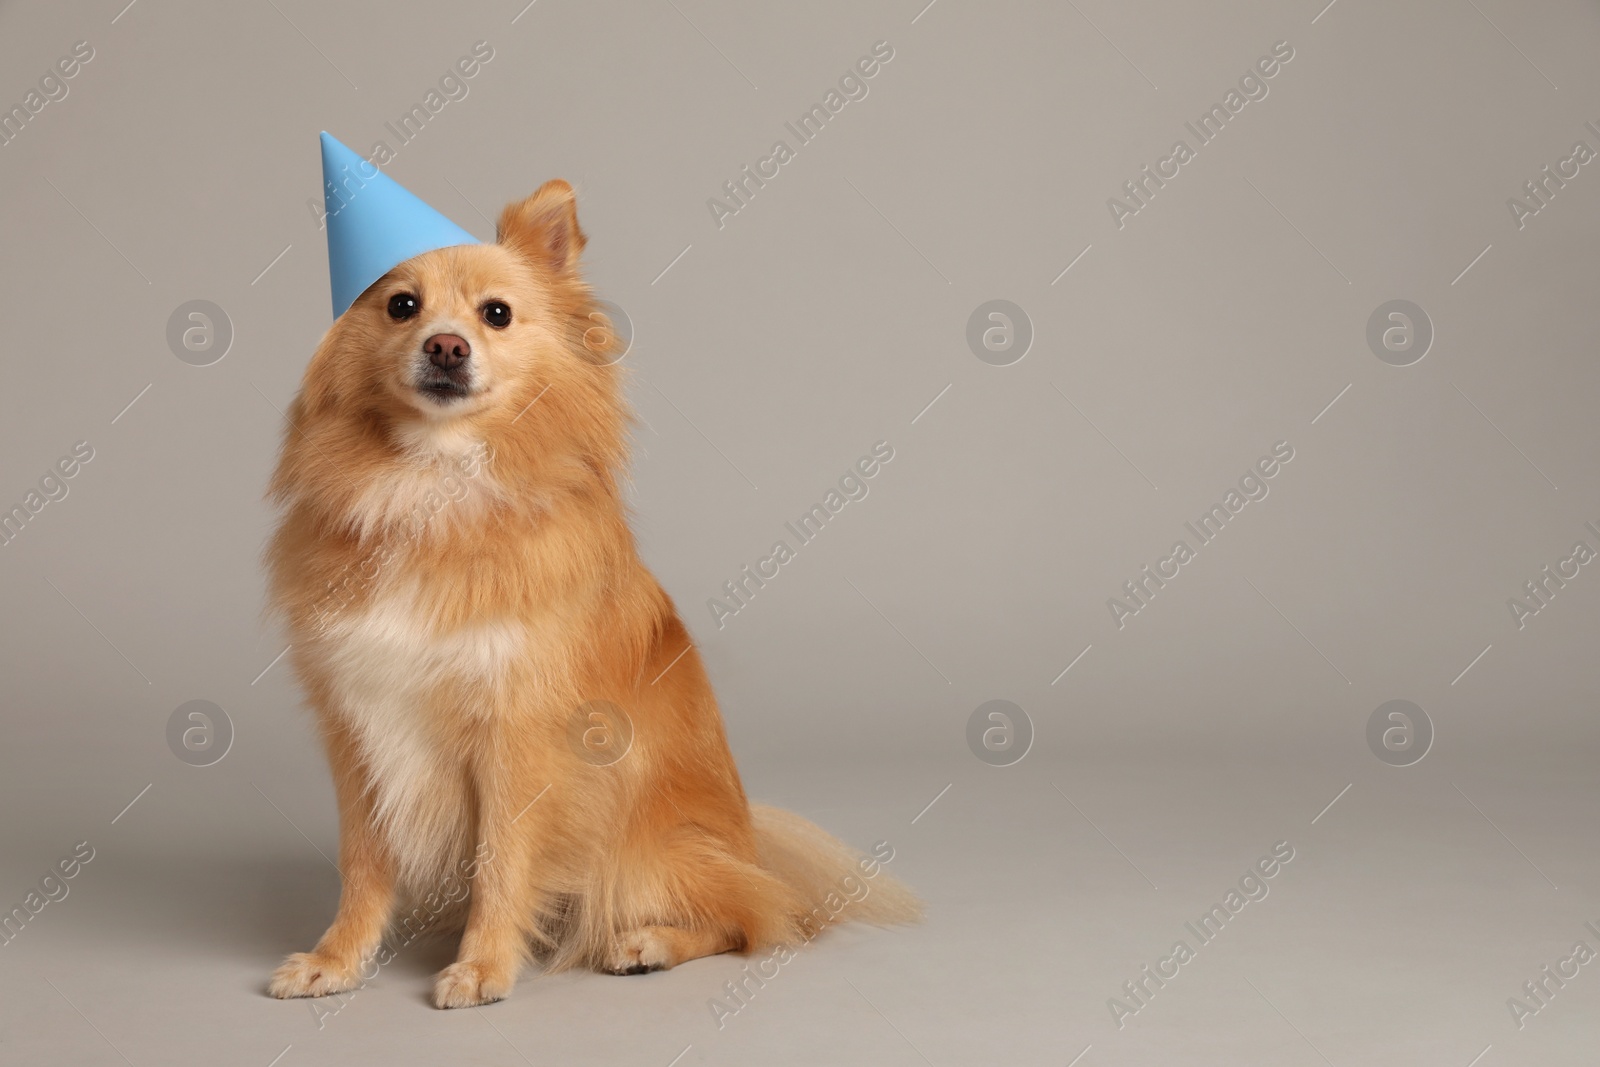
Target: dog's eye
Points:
x,y
497,314
403,306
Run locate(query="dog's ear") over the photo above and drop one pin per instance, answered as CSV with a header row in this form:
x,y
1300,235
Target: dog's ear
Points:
x,y
544,227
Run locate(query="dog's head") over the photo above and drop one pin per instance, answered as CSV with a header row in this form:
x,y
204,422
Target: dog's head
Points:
x,y
460,333
498,345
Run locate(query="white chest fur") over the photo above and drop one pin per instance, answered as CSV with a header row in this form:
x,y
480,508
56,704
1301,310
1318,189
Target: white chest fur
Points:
x,y
391,674
442,477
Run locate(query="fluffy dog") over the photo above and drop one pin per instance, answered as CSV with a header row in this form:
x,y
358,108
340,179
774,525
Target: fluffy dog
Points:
x,y
508,700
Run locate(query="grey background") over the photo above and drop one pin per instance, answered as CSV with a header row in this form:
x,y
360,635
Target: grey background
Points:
x,y
824,317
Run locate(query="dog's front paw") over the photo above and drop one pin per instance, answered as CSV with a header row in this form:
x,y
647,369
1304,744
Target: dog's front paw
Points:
x,y
466,984
310,974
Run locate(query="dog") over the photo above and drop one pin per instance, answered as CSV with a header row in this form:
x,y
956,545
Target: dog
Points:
x,y
520,729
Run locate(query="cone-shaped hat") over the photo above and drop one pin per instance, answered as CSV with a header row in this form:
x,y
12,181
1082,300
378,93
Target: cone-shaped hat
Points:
x,y
374,224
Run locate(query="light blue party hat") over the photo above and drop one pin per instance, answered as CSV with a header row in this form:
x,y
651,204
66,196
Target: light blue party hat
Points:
x,y
374,224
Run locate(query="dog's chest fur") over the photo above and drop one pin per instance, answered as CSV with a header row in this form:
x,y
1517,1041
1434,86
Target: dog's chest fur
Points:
x,y
398,684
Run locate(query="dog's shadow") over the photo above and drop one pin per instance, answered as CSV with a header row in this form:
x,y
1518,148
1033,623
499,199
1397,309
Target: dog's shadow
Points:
x,y
247,913
255,908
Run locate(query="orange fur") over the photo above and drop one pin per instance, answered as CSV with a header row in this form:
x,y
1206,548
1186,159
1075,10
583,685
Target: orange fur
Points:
x,y
463,591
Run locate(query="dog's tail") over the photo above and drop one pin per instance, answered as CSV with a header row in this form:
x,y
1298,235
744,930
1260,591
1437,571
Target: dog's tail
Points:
x,y
832,881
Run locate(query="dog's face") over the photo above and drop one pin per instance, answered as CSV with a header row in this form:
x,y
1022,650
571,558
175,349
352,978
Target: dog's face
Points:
x,y
463,334
451,332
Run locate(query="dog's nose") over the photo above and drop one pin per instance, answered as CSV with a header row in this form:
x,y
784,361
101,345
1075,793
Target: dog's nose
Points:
x,y
447,351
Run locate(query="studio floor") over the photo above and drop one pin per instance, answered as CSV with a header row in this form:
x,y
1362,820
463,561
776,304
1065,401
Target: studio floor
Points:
x,y
1414,906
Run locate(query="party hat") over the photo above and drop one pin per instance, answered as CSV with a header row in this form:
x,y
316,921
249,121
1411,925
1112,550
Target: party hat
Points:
x,y
374,224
